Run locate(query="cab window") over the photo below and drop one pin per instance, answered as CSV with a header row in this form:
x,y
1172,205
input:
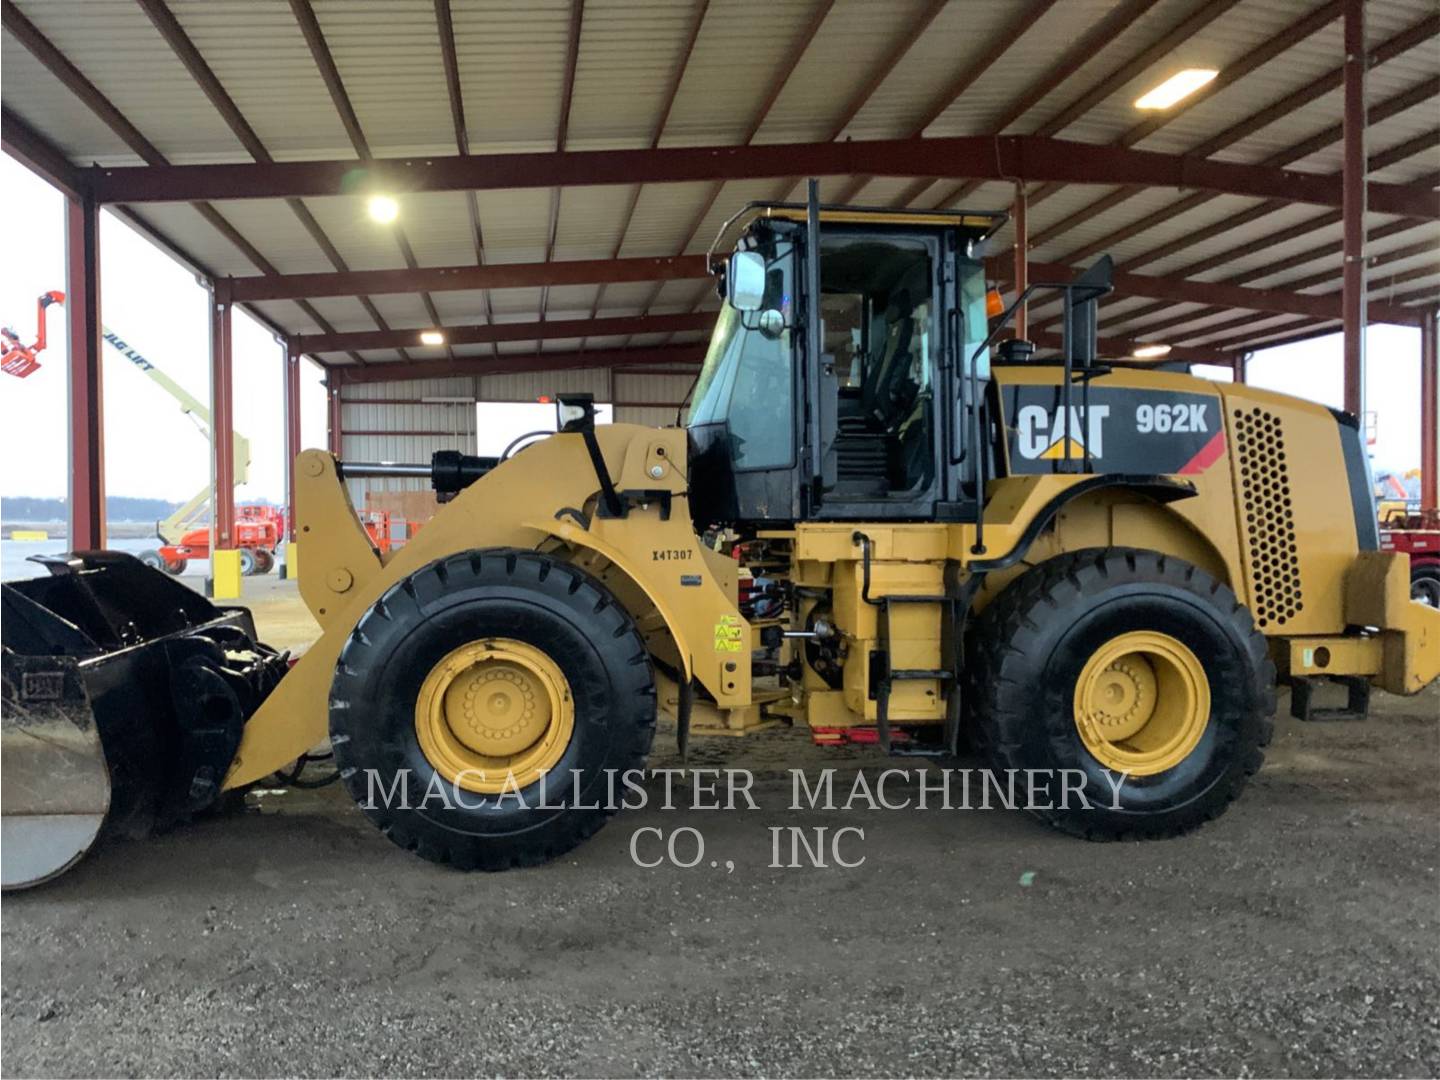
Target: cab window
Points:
x,y
878,309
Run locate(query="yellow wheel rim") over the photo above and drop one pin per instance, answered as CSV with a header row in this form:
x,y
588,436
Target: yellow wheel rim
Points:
x,y
1142,703
492,710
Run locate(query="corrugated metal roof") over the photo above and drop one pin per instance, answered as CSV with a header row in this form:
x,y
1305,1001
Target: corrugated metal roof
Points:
x,y
265,66
511,58
628,52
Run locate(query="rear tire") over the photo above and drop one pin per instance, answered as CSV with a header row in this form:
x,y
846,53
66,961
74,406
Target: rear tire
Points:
x,y
153,559
1425,585
1035,644
176,567
264,561
531,602
248,562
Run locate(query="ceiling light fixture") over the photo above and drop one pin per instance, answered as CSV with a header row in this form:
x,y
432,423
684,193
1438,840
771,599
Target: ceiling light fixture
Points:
x,y
1151,352
1180,85
432,337
383,209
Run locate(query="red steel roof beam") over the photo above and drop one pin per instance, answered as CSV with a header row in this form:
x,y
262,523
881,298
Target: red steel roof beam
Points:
x,y
462,278
1271,269
190,57
1418,94
1029,15
506,363
489,333
1005,158
656,132
59,65
1422,32
1377,161
40,155
450,61
1182,290
777,85
330,74
1262,54
1394,302
562,130
1119,76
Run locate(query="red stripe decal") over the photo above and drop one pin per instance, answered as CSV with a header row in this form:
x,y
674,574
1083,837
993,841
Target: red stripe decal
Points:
x,y
1207,455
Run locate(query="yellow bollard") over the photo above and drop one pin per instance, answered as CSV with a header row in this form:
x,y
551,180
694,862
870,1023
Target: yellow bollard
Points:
x,y
290,568
225,575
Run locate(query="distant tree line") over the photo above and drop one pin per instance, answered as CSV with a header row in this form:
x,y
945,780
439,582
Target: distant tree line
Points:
x,y
117,508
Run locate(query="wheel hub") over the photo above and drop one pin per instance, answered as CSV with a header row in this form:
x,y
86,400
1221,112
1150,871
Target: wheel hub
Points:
x,y
492,710
1142,703
1122,697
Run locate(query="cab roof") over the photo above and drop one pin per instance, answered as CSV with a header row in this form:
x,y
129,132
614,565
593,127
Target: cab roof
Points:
x,y
975,224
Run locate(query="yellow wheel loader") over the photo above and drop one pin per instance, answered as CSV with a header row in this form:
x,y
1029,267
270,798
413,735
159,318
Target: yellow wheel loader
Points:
x,y
876,525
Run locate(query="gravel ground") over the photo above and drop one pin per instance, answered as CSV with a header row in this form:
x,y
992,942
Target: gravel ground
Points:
x,y
1297,935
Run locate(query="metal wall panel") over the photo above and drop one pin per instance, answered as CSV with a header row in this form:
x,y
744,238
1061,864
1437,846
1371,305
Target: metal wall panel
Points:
x,y
379,421
533,384
649,417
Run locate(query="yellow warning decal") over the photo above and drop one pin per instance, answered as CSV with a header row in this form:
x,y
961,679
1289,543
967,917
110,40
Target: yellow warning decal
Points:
x,y
729,634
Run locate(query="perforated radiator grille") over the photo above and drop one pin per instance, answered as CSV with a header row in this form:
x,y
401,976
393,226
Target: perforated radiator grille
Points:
x,y
1269,517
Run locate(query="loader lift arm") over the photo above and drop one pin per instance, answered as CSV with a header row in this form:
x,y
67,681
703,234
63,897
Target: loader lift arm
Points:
x,y
173,528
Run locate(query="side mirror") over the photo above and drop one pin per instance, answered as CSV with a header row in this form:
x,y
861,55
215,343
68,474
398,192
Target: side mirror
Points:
x,y
745,281
771,323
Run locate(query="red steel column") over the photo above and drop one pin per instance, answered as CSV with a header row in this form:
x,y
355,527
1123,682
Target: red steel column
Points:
x,y
222,427
1353,210
292,435
1022,260
1429,407
85,517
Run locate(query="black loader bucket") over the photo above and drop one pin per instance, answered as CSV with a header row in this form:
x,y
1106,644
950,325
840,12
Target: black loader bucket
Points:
x,y
125,695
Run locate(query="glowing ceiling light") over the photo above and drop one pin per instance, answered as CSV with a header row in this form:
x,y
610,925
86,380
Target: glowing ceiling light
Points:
x,y
383,209
432,337
1181,84
1150,352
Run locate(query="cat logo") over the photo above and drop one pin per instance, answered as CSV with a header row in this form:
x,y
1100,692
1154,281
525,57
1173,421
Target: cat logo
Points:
x,y
1042,434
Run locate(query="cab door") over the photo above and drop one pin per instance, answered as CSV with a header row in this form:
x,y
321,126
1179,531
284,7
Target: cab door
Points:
x,y
878,387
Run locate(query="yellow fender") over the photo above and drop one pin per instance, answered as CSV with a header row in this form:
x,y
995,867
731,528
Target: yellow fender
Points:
x,y
545,495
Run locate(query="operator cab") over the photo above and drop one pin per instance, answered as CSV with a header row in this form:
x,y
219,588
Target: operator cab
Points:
x,y
868,415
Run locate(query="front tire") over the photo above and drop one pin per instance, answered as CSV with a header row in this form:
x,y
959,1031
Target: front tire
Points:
x,y
508,688
1118,662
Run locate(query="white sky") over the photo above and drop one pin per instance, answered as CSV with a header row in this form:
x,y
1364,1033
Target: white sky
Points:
x,y
154,450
